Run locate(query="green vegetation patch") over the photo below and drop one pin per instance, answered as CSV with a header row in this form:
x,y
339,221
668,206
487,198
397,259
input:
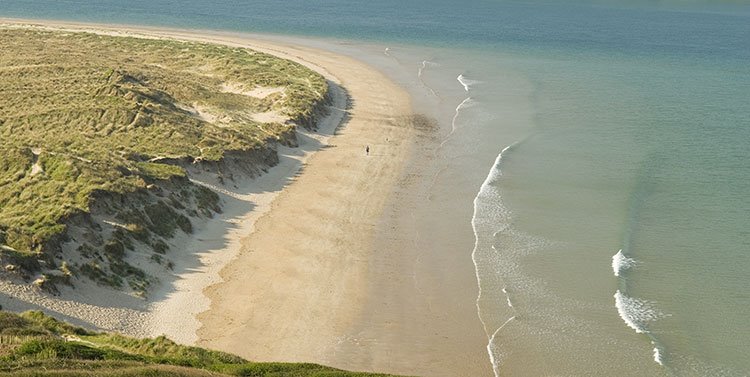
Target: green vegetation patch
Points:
x,y
156,171
33,344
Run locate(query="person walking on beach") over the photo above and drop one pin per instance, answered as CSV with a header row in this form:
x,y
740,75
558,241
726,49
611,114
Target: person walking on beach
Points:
x,y
367,150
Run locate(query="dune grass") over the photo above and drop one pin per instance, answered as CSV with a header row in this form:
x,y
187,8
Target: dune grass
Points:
x,y
33,344
83,114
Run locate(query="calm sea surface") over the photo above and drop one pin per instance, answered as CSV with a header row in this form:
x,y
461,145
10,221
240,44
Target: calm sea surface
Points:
x,y
606,150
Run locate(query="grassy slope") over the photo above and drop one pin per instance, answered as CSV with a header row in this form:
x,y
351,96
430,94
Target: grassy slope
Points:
x,y
95,106
83,114
32,344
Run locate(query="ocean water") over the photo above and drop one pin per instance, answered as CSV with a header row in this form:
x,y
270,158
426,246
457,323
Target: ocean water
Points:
x,y
599,151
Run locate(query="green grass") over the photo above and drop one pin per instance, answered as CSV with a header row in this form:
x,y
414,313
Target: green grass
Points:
x,y
84,116
155,171
33,344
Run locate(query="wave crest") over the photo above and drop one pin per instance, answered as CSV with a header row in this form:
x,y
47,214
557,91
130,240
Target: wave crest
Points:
x,y
658,354
488,213
466,82
620,263
635,312
425,64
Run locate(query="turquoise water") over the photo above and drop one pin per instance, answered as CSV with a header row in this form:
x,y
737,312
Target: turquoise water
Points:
x,y
648,158
628,153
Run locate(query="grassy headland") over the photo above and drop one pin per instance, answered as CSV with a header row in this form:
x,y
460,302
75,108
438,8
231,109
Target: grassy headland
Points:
x,y
99,135
33,344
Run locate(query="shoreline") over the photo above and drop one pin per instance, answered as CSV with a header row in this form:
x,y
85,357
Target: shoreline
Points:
x,y
218,254
328,222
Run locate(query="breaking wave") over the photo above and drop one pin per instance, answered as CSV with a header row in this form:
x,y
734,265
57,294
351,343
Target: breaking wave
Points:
x,y
485,214
620,263
466,82
422,67
635,312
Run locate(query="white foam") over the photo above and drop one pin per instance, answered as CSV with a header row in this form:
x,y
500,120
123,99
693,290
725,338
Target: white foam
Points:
x,y
620,263
487,194
466,82
467,102
386,51
495,172
635,312
507,298
493,359
425,64
658,357
464,104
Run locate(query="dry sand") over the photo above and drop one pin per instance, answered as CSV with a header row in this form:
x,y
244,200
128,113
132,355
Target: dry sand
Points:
x,y
306,263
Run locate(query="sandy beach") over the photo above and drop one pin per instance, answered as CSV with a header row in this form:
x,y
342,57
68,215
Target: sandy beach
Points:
x,y
290,270
307,259
551,188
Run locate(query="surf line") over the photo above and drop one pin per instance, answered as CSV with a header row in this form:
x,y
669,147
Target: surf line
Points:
x,y
493,175
507,296
466,82
421,69
454,127
634,312
464,104
387,52
468,101
620,263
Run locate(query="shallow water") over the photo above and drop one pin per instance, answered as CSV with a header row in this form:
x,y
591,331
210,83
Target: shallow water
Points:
x,y
610,235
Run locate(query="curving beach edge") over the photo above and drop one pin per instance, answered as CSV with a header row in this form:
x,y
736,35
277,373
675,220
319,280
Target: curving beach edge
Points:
x,y
281,274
